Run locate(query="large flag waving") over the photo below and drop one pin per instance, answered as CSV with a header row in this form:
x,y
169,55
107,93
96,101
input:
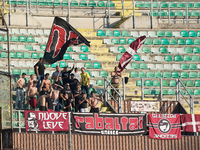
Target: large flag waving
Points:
x,y
62,36
130,52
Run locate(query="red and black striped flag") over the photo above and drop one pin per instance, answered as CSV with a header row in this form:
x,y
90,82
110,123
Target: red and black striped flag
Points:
x,y
61,37
130,52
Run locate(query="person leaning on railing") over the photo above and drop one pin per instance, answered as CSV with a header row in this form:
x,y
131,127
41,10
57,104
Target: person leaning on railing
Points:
x,y
115,81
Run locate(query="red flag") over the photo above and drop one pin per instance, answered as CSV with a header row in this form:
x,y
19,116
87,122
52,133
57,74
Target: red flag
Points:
x,y
130,51
190,122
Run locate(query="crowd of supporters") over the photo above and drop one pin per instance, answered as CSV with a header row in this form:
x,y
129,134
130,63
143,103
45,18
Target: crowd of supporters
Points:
x,y
62,91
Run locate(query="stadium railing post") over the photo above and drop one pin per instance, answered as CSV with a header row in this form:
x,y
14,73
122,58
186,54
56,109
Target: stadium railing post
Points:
x,y
161,95
187,13
133,15
142,88
105,90
108,13
168,14
151,15
9,14
177,90
70,133
123,79
27,13
68,18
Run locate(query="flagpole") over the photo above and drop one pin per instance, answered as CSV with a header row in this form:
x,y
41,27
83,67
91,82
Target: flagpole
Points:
x,y
68,12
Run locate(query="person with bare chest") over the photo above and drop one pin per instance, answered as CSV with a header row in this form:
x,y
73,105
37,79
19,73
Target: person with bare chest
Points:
x,y
20,85
46,82
30,82
94,102
55,95
32,93
42,99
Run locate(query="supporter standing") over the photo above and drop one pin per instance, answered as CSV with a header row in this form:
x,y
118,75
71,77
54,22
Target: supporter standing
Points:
x,y
83,103
73,82
77,75
66,75
44,93
32,93
85,81
94,102
39,71
115,81
20,93
46,82
77,95
66,103
55,74
58,80
49,101
55,95
30,82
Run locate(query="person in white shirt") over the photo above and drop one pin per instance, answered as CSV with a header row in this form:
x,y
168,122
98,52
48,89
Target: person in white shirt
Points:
x,y
77,75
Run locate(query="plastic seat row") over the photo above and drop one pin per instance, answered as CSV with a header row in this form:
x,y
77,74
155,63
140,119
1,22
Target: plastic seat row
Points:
x,y
147,4
176,13
156,74
183,33
171,83
21,55
42,32
179,58
14,38
182,66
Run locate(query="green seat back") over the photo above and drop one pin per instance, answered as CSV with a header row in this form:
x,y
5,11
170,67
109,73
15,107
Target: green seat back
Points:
x,y
183,75
185,13
163,50
163,4
69,49
136,57
1,38
19,55
122,41
139,4
74,3
164,83
172,42
115,41
186,58
134,66
22,38
156,83
171,13
143,66
100,33
54,65
154,13
88,65
174,74
30,39
141,74
100,82
156,42
184,33
4,55
41,55
168,34
35,56
108,33
190,5
125,33
196,41
147,42
118,57
160,33
196,91
190,91
168,58
192,67
49,3
161,13
133,74
192,74
27,55
88,72
189,83
198,75
184,66
147,92
155,4
29,47
181,42
178,13
196,50
12,55
197,83
116,33
138,83
192,34
1,47
145,50
66,56
62,64
155,92
92,90
96,65
24,71
130,40
149,74
101,4
64,3
111,4
189,42
41,2
172,5
166,75
195,58
92,4
194,13
171,92
43,47
180,5
15,71
103,73
188,49
157,74
148,83
165,92
121,49
83,57
196,5
83,4
84,48
31,71
14,38
56,3
177,58
147,4
172,83
164,42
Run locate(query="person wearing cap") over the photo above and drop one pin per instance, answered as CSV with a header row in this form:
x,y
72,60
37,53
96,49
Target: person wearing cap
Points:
x,y
46,82
85,81
66,74
83,102
20,93
56,73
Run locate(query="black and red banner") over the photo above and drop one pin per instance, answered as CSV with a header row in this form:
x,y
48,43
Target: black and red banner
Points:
x,y
46,121
61,37
164,126
190,122
108,124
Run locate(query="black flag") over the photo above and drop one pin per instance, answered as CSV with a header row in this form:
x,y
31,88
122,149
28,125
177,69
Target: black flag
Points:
x,y
61,37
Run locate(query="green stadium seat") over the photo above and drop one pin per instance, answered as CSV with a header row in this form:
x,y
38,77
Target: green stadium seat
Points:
x,y
190,5
103,73
66,56
145,50
160,33
1,47
41,55
43,47
133,74
139,4
74,3
172,5
168,34
138,83
149,74
29,47
24,71
174,74
161,13
125,33
116,33
101,4
108,33
197,83
172,83
192,74
192,34
163,4
157,74
14,38
189,83
184,33
147,42
100,82
196,41
148,83
192,67
164,42
136,57
122,41
198,75
69,49
115,41
130,40
190,91
118,57
83,57
194,13
34,56
189,42
88,65
156,42
100,33
143,66
165,92
141,74
168,58
4,55
41,2
183,75
27,55
19,55
155,4
188,50
196,91
181,42
33,2
178,13
183,83
15,71
147,4
111,4
5,38
195,58
12,55
62,64
56,3
186,58
92,4
196,50
54,65
121,49
154,13
164,83
83,4
172,14
22,38
147,92
30,39
31,71
171,92
49,3
196,5
156,83
134,66
163,50
155,92
177,58
91,89
184,66
172,42
185,13
65,3
96,65
1,38
180,5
